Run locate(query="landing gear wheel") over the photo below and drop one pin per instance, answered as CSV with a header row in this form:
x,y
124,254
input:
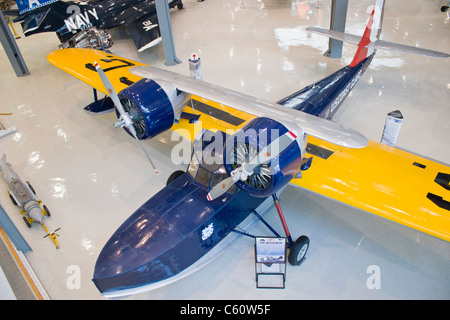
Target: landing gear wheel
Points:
x,y
46,211
174,176
298,250
31,187
12,199
27,222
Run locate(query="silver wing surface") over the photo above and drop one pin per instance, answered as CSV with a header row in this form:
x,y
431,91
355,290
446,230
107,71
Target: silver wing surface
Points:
x,y
295,120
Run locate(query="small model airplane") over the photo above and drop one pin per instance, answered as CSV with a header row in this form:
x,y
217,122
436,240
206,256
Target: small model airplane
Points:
x,y
23,195
247,152
85,24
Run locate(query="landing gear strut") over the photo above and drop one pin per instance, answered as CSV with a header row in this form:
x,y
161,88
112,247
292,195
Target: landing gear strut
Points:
x,y
297,249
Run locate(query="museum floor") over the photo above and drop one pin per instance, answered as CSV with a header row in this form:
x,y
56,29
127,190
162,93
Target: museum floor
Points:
x,y
92,176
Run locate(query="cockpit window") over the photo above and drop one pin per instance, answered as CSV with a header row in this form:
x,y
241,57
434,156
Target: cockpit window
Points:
x,y
193,167
207,168
204,176
210,162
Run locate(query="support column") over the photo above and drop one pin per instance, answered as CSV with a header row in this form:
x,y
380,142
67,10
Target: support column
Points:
x,y
165,26
11,48
338,18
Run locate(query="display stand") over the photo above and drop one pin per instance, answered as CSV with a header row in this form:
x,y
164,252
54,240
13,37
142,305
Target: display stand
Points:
x,y
270,262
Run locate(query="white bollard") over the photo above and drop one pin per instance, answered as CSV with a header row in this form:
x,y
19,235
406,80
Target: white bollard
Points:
x,y
195,66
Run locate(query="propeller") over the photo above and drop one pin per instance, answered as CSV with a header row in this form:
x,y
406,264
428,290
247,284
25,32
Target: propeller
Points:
x,y
246,169
124,119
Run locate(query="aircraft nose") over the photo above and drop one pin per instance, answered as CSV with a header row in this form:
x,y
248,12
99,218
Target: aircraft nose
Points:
x,y
130,255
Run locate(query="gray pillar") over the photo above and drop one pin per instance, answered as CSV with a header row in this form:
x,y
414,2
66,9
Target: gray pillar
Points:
x,y
11,48
338,18
165,26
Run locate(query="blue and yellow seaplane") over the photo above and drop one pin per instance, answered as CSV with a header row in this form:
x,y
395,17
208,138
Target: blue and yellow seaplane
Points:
x,y
248,151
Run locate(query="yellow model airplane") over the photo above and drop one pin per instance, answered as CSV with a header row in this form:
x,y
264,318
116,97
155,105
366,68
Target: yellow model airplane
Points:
x,y
383,180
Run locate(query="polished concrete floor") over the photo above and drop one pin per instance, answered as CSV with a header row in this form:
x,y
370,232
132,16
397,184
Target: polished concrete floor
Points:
x,y
92,176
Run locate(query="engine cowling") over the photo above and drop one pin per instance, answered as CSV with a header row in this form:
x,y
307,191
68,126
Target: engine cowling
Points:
x,y
246,143
153,106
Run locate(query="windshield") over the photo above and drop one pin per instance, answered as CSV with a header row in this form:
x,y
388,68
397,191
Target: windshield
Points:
x,y
206,167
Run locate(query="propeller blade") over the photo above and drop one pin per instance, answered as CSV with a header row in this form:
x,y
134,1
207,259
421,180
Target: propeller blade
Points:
x,y
147,155
246,170
109,88
220,188
123,115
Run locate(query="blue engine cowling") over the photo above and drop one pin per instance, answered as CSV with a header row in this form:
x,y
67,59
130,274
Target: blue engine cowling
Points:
x,y
247,142
153,106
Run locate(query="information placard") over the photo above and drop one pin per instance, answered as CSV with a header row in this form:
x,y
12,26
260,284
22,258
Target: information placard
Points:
x,y
270,262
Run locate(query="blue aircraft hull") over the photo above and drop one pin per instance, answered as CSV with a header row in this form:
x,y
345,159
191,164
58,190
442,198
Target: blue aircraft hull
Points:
x,y
164,237
323,98
178,226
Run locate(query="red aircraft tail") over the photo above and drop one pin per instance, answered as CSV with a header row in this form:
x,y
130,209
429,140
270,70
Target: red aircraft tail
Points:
x,y
371,34
370,41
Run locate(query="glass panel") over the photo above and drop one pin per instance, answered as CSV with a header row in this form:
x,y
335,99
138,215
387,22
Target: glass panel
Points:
x,y
204,176
193,167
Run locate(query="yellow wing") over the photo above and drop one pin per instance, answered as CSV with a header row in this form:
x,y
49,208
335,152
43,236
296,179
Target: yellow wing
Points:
x,y
386,181
80,64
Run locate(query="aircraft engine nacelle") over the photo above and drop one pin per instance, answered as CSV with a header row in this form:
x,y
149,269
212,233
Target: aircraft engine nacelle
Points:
x,y
246,143
153,106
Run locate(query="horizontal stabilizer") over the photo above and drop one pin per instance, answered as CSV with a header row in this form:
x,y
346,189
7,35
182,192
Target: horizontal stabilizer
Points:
x,y
378,44
346,37
145,32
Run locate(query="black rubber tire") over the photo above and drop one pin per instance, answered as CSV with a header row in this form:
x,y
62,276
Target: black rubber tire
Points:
x,y
298,250
31,187
47,212
12,199
27,222
174,176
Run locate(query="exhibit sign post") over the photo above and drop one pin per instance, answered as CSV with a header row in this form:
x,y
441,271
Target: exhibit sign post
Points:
x,y
270,263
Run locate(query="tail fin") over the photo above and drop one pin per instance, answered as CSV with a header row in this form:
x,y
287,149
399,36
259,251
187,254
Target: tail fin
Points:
x,y
370,41
371,34
29,5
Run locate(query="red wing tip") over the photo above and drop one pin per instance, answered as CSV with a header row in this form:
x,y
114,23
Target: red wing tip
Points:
x,y
208,197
